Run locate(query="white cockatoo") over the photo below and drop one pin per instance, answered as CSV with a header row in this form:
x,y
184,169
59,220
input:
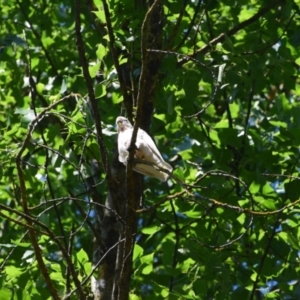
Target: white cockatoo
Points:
x,y
145,150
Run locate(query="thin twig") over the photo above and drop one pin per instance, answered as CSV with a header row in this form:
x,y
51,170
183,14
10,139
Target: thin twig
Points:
x,y
86,279
46,231
234,30
175,250
263,258
191,25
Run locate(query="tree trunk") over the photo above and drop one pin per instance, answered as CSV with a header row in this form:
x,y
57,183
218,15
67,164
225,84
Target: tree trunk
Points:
x,y
118,223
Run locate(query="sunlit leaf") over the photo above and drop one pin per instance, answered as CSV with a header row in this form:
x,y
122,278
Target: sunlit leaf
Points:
x,y
215,84
138,251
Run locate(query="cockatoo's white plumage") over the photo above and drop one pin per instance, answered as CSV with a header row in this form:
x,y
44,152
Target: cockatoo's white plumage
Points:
x,y
146,150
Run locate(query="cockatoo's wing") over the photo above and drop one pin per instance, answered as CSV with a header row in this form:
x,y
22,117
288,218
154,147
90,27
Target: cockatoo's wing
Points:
x,y
145,142
146,150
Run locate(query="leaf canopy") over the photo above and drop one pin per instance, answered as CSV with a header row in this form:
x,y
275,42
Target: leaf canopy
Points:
x,y
225,114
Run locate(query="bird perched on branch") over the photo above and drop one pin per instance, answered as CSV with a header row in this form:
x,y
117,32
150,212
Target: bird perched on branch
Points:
x,y
145,150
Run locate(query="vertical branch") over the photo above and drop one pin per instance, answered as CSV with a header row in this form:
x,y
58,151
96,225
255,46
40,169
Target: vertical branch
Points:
x,y
264,256
133,195
89,84
175,251
29,219
114,53
69,249
32,235
192,24
38,37
150,38
24,200
246,126
235,152
107,241
106,223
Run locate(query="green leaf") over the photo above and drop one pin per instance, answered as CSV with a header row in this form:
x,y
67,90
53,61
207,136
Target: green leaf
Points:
x,y
134,297
5,293
100,91
225,116
147,259
93,70
241,219
150,230
40,88
255,187
147,269
21,244
13,272
137,252
82,256
193,214
100,15
101,51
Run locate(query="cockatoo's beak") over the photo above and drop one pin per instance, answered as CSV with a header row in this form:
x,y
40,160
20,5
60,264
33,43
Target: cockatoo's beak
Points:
x,y
120,125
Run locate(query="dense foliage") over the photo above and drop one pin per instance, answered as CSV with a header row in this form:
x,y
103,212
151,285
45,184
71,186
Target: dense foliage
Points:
x,y
224,109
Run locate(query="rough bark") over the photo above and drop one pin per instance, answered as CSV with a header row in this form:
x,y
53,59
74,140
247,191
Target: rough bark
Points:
x,y
109,224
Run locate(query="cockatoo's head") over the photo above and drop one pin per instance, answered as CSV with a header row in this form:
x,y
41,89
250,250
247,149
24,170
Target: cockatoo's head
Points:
x,y
122,124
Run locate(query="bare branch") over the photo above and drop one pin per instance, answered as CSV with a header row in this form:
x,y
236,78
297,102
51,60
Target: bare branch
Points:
x,y
32,235
114,53
89,84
